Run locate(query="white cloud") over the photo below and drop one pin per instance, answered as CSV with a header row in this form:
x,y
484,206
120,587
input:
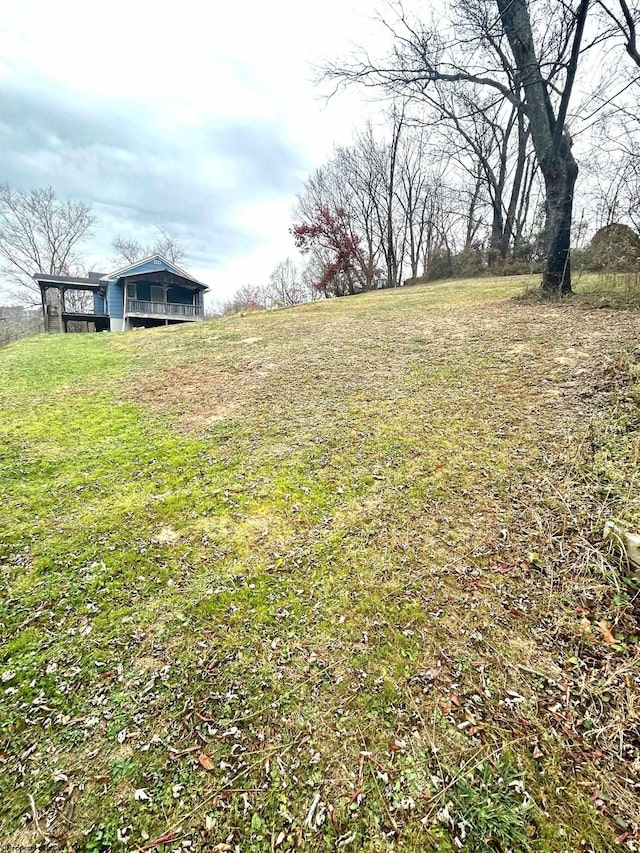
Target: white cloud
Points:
x,y
202,117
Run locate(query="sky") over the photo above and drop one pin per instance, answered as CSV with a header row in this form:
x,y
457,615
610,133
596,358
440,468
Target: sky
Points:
x,y
200,118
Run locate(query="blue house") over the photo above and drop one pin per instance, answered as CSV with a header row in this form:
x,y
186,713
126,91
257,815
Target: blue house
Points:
x,y
151,292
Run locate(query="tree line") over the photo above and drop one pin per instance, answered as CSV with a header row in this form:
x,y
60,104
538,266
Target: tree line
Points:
x,y
499,76
421,199
477,167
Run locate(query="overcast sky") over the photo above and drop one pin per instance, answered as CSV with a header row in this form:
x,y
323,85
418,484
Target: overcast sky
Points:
x,y
199,117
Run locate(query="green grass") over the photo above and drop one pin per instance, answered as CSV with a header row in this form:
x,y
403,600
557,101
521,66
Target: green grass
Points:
x,y
267,581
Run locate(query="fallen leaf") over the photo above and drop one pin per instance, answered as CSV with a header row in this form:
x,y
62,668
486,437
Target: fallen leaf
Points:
x,y
205,761
444,706
606,632
140,794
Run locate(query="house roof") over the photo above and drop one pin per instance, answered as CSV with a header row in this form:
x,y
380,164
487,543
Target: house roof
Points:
x,y
168,265
72,282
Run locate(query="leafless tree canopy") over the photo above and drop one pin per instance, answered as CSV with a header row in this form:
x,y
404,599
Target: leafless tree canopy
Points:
x,y
247,298
286,287
39,233
128,250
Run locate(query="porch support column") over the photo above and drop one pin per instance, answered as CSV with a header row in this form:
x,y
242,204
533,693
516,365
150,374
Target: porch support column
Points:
x,y
45,319
63,322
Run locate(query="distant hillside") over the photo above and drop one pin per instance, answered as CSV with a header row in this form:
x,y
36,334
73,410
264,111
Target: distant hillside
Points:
x,y
17,322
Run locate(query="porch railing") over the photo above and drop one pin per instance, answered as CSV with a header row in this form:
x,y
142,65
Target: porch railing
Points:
x,y
164,309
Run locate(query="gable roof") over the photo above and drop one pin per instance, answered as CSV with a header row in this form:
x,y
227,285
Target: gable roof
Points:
x,y
130,269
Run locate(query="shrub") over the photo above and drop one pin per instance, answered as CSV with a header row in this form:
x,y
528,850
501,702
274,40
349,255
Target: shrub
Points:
x,y
614,247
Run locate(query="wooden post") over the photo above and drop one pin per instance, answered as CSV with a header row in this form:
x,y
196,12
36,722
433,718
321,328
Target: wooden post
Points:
x,y
45,318
63,322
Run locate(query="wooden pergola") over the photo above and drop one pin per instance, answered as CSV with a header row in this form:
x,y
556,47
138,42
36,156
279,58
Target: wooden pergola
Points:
x,y
57,314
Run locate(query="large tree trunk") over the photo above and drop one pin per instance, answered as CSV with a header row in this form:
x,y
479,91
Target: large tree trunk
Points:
x,y
499,240
560,179
550,141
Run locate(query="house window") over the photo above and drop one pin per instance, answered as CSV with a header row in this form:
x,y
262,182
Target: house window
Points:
x,y
131,291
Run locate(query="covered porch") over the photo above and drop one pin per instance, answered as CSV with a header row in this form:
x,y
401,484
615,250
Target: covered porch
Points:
x,y
162,296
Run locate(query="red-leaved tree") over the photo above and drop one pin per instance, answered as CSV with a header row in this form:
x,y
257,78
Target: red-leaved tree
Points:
x,y
330,236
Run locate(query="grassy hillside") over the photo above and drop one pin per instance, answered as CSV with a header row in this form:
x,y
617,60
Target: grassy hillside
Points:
x,y
324,578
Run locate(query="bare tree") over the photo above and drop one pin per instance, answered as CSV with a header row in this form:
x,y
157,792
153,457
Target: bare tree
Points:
x,y
285,286
489,138
438,222
169,246
551,139
420,197
247,298
613,191
391,249
128,250
374,175
379,181
359,171
401,201
39,233
310,275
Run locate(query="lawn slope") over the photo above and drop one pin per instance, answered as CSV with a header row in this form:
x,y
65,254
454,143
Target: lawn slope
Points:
x,y
323,578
